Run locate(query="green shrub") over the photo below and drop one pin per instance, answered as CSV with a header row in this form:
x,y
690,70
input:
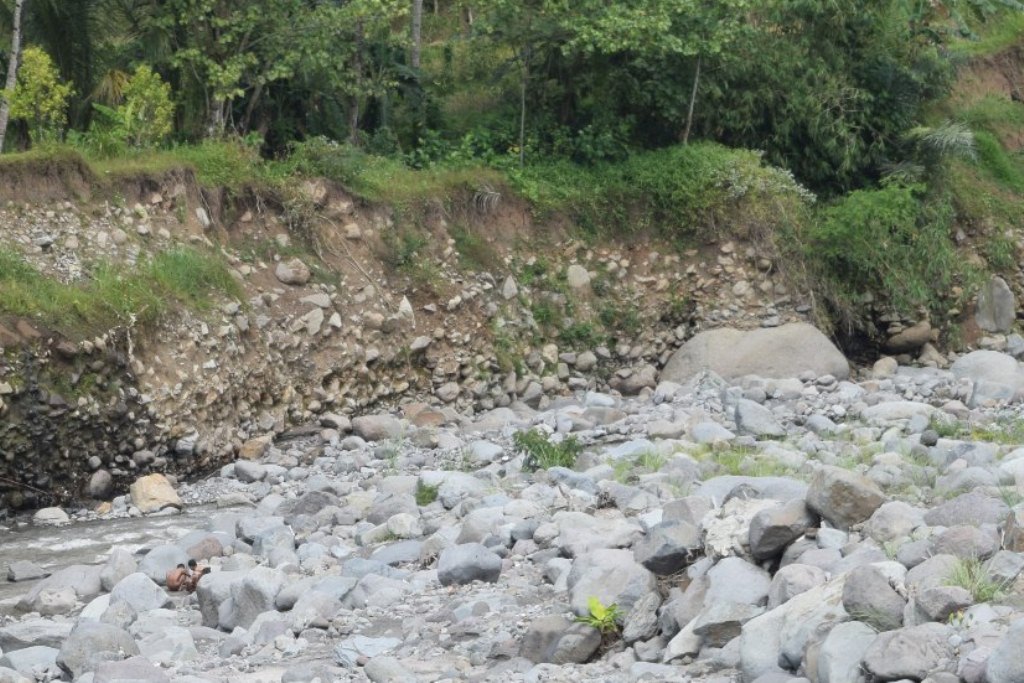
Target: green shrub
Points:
x,y
972,575
425,493
113,296
604,618
39,97
144,117
892,243
542,453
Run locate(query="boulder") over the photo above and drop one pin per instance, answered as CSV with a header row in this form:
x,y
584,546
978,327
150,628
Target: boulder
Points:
x,y
100,486
996,376
777,352
996,307
153,492
50,516
1005,664
251,596
734,579
772,529
869,597
755,420
466,563
840,655
911,338
377,427
24,570
140,592
29,660
610,575
32,632
556,640
120,564
160,560
912,652
668,547
973,508
843,498
131,670
92,643
293,272
792,580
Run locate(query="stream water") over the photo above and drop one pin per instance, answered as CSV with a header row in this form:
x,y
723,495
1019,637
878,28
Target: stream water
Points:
x,y
87,542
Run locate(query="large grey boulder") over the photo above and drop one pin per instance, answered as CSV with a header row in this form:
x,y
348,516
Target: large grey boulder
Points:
x,y
140,592
996,376
30,659
213,592
973,508
161,560
25,570
843,498
556,640
892,521
251,596
22,634
912,652
736,580
1005,664
131,670
840,655
610,575
996,308
80,580
120,564
772,529
778,352
377,427
868,596
792,580
966,542
467,563
668,547
92,643
754,419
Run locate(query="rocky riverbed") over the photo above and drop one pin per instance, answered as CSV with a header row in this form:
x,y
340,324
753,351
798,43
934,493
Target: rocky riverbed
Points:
x,y
803,527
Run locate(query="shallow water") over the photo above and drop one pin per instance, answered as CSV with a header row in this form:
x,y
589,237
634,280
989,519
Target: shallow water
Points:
x,y
88,542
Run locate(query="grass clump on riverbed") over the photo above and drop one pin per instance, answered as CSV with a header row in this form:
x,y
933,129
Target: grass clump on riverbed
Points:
x,y
112,296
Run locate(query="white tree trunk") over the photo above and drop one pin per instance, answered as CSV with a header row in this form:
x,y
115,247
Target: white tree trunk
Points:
x,y
12,72
417,30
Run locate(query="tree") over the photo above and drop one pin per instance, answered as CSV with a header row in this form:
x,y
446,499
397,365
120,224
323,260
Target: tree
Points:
x,y
39,97
12,71
416,33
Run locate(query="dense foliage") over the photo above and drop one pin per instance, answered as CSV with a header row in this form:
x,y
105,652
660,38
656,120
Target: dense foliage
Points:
x,y
826,89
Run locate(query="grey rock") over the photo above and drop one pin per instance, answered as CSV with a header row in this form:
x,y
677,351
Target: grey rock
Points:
x,y
996,376
936,604
756,420
996,308
83,582
1005,665
912,652
779,352
966,542
348,652
31,632
720,622
161,560
934,571
100,486
120,564
131,670
24,570
642,622
772,529
892,521
668,547
610,575
377,427
254,594
792,580
1004,567
843,498
869,597
248,472
29,660
92,643
466,563
382,669
556,640
840,655
139,592
293,272
972,509
735,580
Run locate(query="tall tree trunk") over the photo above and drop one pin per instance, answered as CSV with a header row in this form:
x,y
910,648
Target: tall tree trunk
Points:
x,y
693,101
522,115
417,30
12,72
357,67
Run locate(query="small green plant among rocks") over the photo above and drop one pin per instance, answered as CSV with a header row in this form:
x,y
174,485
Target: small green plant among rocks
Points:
x,y
971,575
543,453
425,493
604,618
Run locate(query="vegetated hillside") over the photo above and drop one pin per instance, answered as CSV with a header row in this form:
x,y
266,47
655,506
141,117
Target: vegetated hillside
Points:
x,y
148,288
